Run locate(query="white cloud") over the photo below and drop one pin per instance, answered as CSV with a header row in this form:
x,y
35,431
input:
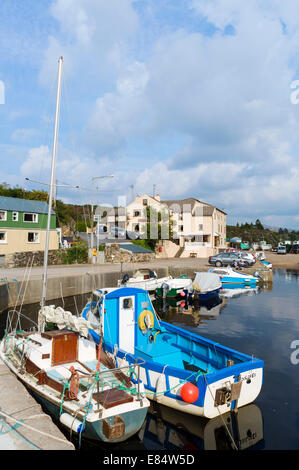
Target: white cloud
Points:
x,y
225,98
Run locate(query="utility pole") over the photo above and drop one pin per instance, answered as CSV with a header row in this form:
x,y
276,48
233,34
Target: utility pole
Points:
x,y
92,210
132,192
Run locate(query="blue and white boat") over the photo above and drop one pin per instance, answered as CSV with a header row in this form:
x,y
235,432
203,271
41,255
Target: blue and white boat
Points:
x,y
231,276
182,370
266,263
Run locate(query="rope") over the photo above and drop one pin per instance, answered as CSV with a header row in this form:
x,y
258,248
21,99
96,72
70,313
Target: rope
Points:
x,y
30,427
225,425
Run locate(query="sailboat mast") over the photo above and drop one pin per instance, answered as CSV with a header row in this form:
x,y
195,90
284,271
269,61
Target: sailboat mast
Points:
x,y
52,184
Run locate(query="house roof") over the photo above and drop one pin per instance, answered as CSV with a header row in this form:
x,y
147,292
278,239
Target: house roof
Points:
x,y
134,248
179,204
23,205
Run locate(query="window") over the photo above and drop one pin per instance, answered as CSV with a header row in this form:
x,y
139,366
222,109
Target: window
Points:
x,y
136,213
181,228
127,303
30,217
200,227
3,215
145,202
33,237
15,216
3,237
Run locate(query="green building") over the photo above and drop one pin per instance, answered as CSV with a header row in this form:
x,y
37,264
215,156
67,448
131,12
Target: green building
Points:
x,y
23,226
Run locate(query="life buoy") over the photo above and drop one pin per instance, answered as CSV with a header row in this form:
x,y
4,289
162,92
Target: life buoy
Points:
x,y
146,320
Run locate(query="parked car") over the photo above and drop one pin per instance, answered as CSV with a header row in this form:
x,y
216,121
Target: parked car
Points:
x,y
117,232
227,259
281,250
247,257
132,235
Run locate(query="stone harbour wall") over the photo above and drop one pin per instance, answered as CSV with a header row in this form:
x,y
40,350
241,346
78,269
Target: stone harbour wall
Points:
x,y
25,258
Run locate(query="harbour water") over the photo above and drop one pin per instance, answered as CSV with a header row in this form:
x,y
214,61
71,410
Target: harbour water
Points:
x,y
262,323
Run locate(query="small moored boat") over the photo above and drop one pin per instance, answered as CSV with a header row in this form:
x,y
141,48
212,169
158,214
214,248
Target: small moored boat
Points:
x,y
144,279
182,370
206,285
181,285
231,276
76,382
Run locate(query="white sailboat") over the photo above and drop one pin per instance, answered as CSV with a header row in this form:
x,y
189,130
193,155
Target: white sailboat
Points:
x,y
73,378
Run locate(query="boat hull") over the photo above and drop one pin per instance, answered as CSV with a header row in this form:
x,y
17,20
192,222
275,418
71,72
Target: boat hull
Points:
x,y
93,429
205,296
163,383
236,280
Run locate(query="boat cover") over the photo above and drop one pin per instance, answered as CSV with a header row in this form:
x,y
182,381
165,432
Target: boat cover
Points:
x,y
206,282
65,319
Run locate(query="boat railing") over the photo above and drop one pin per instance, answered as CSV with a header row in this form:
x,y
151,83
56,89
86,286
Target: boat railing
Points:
x,y
115,370
13,321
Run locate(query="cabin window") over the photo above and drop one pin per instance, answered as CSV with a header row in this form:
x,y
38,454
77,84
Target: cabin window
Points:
x,y
3,237
127,303
33,237
15,216
3,215
30,217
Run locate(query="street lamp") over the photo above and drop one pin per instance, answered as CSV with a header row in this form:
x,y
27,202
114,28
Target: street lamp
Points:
x,y
92,214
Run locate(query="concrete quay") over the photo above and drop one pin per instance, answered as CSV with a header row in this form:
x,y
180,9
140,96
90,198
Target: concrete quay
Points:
x,y
23,424
20,286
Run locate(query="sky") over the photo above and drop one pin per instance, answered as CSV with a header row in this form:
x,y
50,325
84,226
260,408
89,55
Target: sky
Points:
x,y
197,98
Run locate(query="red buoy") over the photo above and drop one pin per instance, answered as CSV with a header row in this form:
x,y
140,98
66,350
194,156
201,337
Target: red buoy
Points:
x,y
189,392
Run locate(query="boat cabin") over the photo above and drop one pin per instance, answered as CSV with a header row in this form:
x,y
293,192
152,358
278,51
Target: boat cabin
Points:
x,y
126,315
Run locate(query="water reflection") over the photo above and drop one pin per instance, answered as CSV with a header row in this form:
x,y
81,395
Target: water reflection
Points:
x,y
237,290
189,311
263,324
169,429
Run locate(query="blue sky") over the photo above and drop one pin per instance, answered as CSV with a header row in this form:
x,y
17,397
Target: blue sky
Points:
x,y
193,96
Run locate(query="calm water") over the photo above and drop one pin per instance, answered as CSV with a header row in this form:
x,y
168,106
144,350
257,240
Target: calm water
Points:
x,y
262,323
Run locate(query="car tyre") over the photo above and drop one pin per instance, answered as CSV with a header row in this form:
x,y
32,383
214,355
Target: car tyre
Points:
x,y
218,263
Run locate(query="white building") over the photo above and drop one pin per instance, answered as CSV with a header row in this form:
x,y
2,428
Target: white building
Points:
x,y
198,228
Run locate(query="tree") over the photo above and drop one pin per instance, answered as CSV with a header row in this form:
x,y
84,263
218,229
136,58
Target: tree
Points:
x,y
259,225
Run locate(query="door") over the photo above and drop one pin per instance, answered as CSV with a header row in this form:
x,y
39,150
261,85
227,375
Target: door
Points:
x,y
127,324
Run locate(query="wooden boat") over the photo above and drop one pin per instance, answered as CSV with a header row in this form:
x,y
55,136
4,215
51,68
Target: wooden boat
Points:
x,y
77,383
62,368
182,370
